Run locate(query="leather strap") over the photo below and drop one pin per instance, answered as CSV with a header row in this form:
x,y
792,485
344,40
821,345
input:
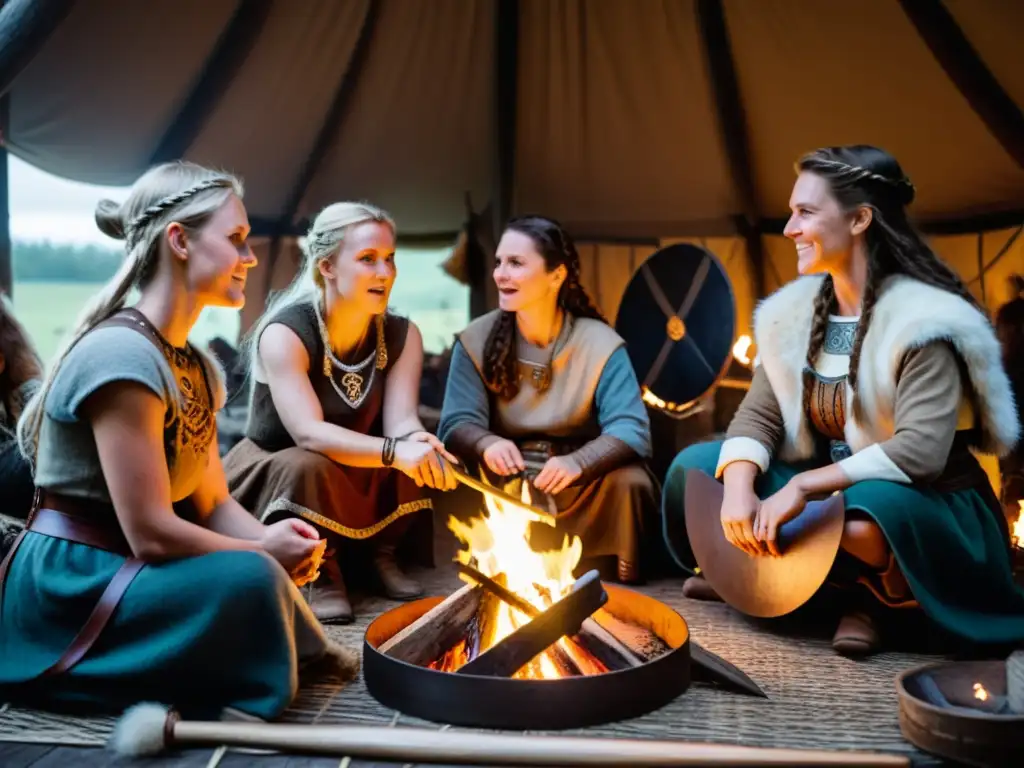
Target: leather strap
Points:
x,y
99,617
68,523
83,522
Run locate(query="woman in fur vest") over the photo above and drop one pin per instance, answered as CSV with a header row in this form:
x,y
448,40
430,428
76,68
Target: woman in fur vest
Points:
x,y
877,373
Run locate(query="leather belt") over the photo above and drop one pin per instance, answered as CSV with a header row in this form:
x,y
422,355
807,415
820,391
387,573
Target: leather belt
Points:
x,y
83,522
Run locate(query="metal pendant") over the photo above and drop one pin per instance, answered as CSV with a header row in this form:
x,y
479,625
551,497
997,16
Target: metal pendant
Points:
x,y
353,384
540,376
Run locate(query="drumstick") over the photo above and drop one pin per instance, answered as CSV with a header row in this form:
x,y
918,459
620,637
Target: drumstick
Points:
x,y
147,729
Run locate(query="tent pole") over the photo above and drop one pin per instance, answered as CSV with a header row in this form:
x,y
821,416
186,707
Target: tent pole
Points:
x,y
941,33
6,261
733,124
482,291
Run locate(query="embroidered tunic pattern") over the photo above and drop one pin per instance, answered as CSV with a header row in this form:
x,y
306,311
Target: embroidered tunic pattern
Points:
x,y
825,396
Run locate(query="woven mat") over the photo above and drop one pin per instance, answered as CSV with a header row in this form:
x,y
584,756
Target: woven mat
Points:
x,y
817,698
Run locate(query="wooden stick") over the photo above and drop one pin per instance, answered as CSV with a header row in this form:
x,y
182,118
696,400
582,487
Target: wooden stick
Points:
x,y
530,640
419,745
433,633
592,637
498,493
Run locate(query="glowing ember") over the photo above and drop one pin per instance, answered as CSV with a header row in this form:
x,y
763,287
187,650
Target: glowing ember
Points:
x,y
741,349
498,546
980,693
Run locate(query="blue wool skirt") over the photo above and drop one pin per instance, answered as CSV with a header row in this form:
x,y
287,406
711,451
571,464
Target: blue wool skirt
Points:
x,y
227,629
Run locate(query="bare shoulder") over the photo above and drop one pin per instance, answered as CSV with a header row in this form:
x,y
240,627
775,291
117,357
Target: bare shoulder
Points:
x,y
280,348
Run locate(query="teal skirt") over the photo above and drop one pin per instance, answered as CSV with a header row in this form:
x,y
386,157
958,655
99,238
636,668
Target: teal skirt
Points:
x,y
951,547
223,630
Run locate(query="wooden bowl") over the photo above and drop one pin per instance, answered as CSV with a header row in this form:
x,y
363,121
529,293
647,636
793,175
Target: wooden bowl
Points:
x,y
941,714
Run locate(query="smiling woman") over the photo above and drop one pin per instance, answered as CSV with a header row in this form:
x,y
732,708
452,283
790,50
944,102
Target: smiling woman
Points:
x,y
334,435
542,394
879,376
132,503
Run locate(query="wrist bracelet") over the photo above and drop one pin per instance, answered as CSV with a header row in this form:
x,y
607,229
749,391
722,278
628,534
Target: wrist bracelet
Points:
x,y
387,453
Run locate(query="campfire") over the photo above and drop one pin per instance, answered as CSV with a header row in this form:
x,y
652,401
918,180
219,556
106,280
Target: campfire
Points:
x,y
524,644
498,548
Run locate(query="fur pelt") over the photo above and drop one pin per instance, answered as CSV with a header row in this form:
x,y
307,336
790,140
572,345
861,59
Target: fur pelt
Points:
x,y
908,314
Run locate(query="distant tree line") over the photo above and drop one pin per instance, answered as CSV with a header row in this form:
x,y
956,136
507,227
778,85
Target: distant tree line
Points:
x,y
53,262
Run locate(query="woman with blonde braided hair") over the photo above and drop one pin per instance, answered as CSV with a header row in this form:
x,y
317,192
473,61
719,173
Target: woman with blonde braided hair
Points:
x,y
138,577
541,391
878,374
334,435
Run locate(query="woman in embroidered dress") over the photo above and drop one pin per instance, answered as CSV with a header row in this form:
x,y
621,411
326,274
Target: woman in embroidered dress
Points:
x,y
200,607
878,371
542,389
21,371
334,434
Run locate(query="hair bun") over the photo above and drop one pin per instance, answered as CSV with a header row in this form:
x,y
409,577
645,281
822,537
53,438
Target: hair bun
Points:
x,y
109,219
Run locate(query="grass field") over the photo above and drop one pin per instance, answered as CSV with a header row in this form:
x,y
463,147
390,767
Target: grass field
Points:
x,y
436,303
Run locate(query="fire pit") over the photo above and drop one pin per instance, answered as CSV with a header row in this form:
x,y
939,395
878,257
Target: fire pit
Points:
x,y
525,645
523,701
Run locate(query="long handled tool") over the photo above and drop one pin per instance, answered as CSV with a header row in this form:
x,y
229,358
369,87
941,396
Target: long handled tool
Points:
x,y
498,493
709,666
148,729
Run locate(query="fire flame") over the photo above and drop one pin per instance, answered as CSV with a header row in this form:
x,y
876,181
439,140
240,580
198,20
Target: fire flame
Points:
x,y
1017,537
498,546
741,349
980,693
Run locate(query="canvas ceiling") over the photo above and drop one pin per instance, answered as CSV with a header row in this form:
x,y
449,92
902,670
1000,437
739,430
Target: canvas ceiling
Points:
x,y
617,130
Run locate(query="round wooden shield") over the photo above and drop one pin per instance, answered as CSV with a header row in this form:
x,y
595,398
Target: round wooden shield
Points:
x,y
678,318
764,586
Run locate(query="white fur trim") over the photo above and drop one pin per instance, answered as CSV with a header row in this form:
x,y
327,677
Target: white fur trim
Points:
x,y
907,315
742,449
873,463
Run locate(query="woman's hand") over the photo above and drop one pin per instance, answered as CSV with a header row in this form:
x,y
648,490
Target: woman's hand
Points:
x,y
503,458
776,510
558,473
740,507
422,461
297,546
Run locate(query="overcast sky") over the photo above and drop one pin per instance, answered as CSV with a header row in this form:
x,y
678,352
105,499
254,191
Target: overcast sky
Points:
x,y
45,207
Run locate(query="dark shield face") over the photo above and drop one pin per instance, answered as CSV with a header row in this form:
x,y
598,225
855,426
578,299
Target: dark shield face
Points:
x,y
678,318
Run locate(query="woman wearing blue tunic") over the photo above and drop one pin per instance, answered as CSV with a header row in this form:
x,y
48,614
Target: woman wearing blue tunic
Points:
x,y
138,577
877,374
542,389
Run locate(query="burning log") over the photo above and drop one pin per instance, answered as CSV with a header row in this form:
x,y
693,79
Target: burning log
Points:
x,y
638,646
546,628
592,637
438,630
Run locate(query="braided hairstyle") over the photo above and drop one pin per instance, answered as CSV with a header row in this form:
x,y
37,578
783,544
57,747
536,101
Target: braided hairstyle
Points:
x,y
177,191
500,368
862,175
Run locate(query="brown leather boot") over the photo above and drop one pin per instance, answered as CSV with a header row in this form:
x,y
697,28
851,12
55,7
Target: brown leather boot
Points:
x,y
697,588
857,635
396,584
328,596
